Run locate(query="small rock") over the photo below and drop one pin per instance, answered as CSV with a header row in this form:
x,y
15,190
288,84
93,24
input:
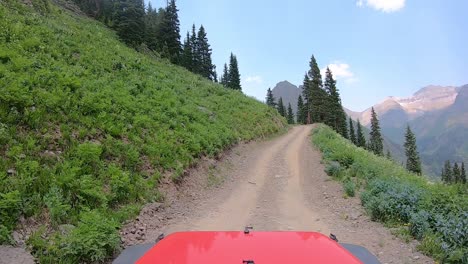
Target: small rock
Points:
x,y
133,230
11,171
416,257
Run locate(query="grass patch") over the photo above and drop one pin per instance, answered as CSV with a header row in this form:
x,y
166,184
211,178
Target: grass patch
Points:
x,y
88,126
434,213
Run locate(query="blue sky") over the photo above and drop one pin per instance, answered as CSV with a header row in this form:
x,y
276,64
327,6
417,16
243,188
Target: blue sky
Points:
x,y
375,48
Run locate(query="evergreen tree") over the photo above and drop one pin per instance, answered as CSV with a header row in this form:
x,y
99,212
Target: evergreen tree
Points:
x,y
375,141
270,99
389,155
361,140
447,173
335,117
281,108
290,114
456,173
318,97
187,56
463,173
205,67
170,33
307,104
352,134
129,21
413,162
152,27
215,75
234,75
196,60
300,117
225,76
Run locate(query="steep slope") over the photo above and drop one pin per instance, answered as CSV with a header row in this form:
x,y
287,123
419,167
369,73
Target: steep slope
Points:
x,y
427,99
443,134
88,127
289,92
437,115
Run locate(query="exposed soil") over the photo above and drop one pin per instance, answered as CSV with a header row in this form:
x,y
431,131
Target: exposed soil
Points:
x,y
279,184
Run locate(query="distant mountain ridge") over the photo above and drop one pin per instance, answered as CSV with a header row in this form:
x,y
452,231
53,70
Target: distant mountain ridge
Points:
x,y
404,109
289,92
438,115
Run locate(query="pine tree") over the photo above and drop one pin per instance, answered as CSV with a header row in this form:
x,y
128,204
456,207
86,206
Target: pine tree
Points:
x,y
447,173
152,27
270,99
300,117
205,67
187,56
129,21
375,141
170,32
389,155
456,173
335,117
290,114
196,60
413,162
352,134
361,140
463,173
318,97
234,75
225,76
307,104
281,108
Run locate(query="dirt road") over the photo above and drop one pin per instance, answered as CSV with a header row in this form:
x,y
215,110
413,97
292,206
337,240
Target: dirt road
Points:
x,y
277,184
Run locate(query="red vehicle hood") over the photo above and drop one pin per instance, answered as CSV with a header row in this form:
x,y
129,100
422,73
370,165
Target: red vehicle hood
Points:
x,y
236,247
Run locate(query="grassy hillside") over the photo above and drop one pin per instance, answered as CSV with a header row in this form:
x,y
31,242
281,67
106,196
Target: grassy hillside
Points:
x,y
88,126
434,213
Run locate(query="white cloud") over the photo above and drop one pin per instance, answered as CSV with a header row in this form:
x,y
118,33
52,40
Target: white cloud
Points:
x,y
254,79
383,5
340,71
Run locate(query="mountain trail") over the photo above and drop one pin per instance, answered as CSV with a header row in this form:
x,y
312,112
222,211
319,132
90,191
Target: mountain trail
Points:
x,y
278,184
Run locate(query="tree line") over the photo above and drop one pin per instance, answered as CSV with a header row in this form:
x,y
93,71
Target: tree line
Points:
x,y
455,174
159,31
320,102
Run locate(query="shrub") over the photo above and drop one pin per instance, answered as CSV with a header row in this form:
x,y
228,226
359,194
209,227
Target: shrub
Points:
x,y
349,187
333,169
437,214
94,239
57,205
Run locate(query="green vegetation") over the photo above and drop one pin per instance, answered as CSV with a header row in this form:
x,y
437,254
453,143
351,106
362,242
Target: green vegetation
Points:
x,y
322,101
281,108
88,126
300,115
290,115
413,162
335,117
270,99
361,139
455,175
352,134
375,140
434,213
196,55
231,75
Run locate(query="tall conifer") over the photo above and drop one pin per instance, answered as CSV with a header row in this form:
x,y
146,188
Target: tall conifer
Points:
x,y
413,162
375,140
